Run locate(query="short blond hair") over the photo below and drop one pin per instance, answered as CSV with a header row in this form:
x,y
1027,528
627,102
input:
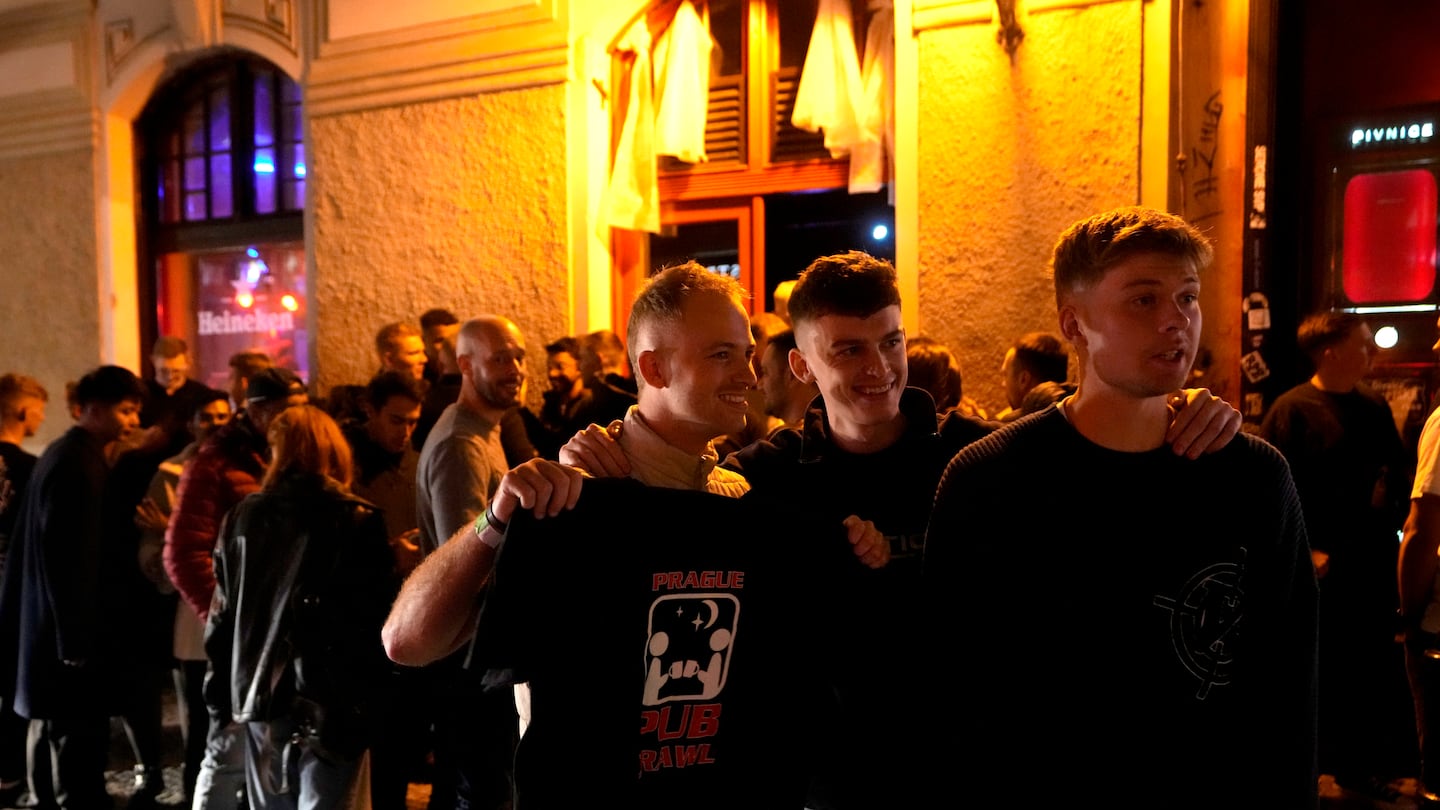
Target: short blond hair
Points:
x,y
15,387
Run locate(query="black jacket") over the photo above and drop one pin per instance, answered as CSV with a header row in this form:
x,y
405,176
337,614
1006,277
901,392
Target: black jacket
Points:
x,y
304,579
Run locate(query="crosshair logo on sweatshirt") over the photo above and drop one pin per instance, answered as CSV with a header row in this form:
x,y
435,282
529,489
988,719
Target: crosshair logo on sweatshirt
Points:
x,y
1205,622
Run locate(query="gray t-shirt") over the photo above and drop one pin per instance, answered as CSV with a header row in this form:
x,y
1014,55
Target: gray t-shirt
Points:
x,y
461,465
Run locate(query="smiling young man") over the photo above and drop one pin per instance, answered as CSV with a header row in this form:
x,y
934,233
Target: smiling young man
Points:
x,y
1154,628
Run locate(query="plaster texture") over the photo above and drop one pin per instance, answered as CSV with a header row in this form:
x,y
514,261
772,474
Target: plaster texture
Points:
x,y
457,204
50,303
1009,155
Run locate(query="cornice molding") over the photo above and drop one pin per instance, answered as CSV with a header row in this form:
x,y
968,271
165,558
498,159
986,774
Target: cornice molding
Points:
x,y
44,120
522,46
47,122
929,15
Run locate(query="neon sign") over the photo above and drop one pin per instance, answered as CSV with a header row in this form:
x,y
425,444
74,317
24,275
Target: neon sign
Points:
x,y
1402,133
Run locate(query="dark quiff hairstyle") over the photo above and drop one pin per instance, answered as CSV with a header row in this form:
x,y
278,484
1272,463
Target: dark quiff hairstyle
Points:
x,y
109,385
1323,330
565,345
1095,244
432,318
853,284
664,295
389,384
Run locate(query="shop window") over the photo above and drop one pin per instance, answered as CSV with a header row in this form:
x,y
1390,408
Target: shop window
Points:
x,y
223,175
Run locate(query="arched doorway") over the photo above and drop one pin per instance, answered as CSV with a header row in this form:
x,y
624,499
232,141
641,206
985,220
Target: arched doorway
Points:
x,y
221,176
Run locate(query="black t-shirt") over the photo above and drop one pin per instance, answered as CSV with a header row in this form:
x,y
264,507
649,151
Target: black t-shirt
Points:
x,y
710,625
18,466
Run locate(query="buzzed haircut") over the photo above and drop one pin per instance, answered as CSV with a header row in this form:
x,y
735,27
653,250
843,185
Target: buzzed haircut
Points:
x,y
853,284
1323,330
389,384
389,335
168,346
1093,245
108,385
15,387
432,318
249,363
1044,356
565,345
664,295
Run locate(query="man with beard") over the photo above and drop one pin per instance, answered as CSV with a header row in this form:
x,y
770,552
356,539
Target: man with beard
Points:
x,y
461,465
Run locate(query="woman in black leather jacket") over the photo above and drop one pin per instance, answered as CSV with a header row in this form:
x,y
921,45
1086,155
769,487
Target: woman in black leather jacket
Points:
x,y
305,577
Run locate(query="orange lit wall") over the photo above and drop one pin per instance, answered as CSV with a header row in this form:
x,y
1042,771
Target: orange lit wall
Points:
x,y
457,203
1009,154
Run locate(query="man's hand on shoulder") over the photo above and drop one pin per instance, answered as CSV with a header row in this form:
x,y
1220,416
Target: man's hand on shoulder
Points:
x,y
542,486
869,545
1203,423
596,451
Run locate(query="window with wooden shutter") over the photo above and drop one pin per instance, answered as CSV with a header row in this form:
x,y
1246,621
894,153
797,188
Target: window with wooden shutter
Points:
x,y
716,209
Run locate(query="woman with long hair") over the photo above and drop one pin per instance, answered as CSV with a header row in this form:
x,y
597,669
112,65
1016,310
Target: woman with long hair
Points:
x,y
304,579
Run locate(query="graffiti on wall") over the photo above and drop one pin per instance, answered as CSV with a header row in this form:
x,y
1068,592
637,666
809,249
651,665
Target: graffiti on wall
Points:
x,y
1204,182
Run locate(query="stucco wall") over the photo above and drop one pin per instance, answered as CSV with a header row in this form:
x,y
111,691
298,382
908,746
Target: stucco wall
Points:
x,y
49,300
457,204
1040,142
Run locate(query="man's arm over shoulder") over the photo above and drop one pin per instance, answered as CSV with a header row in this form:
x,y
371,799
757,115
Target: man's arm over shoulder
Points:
x,y
766,462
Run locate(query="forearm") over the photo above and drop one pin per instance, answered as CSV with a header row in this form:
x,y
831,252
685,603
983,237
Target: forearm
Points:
x,y
436,609
1418,561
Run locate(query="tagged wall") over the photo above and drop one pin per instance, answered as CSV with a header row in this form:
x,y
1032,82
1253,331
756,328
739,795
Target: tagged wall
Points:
x,y
1042,141
457,203
50,307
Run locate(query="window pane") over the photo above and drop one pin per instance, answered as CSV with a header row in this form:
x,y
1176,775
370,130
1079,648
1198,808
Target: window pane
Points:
x,y
195,206
289,91
169,191
264,111
264,181
239,299
294,126
194,128
220,119
222,197
727,26
195,174
797,22
292,195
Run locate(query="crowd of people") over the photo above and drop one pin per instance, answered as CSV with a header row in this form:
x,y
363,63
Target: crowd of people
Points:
x,y
423,577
